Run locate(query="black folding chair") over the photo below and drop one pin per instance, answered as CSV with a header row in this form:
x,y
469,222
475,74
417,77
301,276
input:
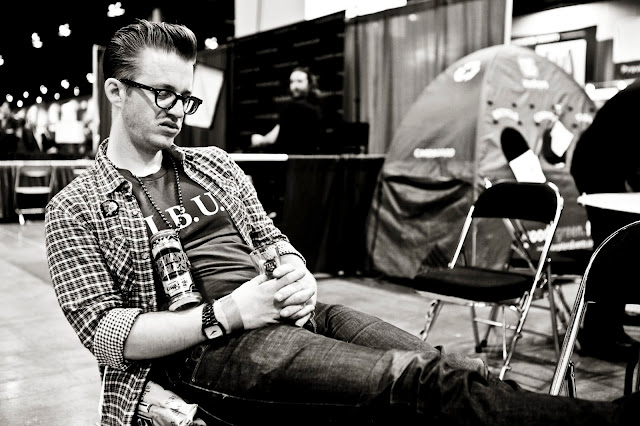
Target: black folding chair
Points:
x,y
516,205
613,265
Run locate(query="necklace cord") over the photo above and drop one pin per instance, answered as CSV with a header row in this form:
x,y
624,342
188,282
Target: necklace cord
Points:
x,y
178,192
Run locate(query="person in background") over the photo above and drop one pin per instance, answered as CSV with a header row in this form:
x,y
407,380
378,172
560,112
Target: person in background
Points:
x,y
606,159
9,132
300,129
256,348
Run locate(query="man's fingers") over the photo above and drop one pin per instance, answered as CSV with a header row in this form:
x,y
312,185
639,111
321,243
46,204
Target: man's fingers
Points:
x,y
302,321
283,270
296,311
259,279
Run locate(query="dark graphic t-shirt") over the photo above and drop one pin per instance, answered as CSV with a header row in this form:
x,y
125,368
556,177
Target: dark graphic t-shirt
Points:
x,y
219,257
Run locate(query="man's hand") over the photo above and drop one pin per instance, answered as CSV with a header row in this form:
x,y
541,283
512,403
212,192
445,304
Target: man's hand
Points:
x,y
298,298
256,300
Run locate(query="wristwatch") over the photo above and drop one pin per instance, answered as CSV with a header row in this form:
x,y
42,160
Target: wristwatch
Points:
x,y
211,328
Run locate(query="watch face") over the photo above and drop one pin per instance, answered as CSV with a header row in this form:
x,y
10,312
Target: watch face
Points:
x,y
213,331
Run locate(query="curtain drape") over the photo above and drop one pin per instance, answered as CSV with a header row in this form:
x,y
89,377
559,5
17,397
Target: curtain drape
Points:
x,y
390,57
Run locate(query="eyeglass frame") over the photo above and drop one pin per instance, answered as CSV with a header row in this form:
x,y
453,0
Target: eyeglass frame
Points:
x,y
156,92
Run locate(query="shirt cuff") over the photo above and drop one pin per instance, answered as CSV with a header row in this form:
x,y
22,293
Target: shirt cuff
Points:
x,y
287,248
111,333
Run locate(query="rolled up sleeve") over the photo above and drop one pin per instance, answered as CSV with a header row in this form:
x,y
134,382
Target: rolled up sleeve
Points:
x,y
110,336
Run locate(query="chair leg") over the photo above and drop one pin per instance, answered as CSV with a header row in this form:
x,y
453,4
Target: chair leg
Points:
x,y
554,320
633,364
522,313
492,318
564,311
433,311
571,380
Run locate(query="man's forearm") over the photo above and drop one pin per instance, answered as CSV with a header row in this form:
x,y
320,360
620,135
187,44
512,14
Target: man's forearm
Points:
x,y
157,334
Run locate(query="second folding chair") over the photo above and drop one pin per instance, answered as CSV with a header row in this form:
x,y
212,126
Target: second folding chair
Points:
x,y
512,208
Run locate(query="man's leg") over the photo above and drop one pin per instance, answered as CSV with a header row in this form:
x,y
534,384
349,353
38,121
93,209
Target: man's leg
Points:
x,y
287,373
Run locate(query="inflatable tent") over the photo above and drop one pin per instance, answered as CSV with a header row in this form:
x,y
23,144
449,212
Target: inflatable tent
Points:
x,y
448,147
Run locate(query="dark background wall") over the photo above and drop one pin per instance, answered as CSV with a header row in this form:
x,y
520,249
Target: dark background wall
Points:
x,y
260,68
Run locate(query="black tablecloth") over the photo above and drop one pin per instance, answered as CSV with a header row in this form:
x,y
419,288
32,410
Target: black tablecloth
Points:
x,y
326,204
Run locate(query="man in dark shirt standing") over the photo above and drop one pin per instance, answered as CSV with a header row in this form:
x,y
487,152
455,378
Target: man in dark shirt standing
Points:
x,y
300,125
607,160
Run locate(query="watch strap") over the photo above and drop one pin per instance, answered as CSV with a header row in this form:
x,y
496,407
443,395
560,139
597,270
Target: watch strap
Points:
x,y
209,319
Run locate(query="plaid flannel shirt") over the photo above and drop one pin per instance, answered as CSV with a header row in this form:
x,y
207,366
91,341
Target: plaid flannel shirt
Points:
x,y
100,263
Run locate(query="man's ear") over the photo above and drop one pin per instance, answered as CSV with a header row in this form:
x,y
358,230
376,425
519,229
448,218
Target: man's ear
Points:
x,y
114,91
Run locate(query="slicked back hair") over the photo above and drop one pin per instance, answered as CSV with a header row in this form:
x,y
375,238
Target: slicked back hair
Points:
x,y
124,48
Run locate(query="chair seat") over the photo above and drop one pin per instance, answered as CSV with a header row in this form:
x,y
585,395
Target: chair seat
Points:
x,y
474,283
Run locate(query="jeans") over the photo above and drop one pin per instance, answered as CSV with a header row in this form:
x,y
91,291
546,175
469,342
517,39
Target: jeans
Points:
x,y
358,369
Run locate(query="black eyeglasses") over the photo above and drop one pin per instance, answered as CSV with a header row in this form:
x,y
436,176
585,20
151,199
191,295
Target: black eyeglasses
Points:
x,y
166,98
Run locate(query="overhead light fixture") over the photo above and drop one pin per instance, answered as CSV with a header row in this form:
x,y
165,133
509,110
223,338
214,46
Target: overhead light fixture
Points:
x,y
1,60
64,30
35,41
64,84
211,43
115,10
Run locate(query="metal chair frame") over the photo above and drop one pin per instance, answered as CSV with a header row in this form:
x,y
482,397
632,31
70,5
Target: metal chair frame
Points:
x,y
32,182
609,255
535,202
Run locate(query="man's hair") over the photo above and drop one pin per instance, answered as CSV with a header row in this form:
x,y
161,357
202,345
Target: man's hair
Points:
x,y
120,56
314,90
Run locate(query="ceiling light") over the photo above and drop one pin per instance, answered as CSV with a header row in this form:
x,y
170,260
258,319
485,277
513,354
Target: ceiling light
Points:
x,y
64,30
35,41
211,43
115,10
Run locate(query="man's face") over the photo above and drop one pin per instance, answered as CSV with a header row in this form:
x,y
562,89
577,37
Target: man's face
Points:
x,y
149,127
299,84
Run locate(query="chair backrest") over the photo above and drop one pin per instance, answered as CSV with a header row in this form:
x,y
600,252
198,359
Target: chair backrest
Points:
x,y
514,202
539,202
33,179
615,263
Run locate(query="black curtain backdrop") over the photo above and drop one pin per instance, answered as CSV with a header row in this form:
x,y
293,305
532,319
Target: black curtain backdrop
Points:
x,y
326,201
